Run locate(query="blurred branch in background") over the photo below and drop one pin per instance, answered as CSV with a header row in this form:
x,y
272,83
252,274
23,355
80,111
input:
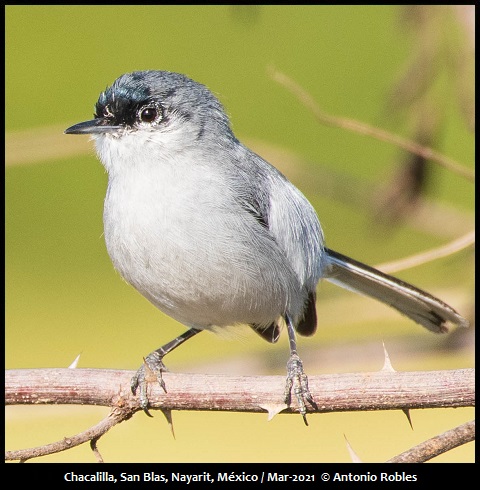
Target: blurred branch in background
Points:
x,y
367,130
461,243
444,51
443,48
39,145
440,72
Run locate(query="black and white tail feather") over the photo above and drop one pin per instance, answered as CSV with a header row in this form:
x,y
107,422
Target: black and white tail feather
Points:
x,y
420,306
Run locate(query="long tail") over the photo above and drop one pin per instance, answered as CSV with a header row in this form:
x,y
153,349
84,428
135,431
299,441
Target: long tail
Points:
x,y
418,305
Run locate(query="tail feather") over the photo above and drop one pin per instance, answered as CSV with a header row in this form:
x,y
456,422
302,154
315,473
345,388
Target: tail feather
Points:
x,y
423,308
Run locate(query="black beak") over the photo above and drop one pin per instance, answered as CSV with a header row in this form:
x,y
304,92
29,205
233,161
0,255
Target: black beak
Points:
x,y
95,126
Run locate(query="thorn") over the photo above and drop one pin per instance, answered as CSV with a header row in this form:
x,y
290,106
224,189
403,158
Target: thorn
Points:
x,y
387,365
168,416
274,409
406,411
75,362
353,455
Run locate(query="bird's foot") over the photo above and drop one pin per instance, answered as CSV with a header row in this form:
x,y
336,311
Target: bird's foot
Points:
x,y
298,381
151,370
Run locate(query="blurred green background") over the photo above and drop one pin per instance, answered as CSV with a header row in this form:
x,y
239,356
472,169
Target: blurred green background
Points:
x,y
387,66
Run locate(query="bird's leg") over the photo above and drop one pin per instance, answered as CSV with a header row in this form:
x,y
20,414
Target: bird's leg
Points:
x,y
153,365
296,378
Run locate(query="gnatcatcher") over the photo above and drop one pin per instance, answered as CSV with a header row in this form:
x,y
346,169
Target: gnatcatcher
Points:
x,y
212,234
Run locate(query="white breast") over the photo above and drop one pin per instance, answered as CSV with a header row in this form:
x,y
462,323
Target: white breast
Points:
x,y
181,239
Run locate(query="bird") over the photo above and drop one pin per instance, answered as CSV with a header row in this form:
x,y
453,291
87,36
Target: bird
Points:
x,y
212,234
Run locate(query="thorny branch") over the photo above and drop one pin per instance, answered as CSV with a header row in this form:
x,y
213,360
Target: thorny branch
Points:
x,y
383,390
438,444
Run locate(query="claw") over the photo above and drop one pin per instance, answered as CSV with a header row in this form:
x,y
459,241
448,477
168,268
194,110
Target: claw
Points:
x,y
153,367
298,380
151,370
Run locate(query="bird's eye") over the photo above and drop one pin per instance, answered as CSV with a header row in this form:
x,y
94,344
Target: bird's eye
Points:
x,y
150,114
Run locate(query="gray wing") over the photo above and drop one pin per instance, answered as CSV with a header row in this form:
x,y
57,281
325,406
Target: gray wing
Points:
x,y
295,227
284,212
